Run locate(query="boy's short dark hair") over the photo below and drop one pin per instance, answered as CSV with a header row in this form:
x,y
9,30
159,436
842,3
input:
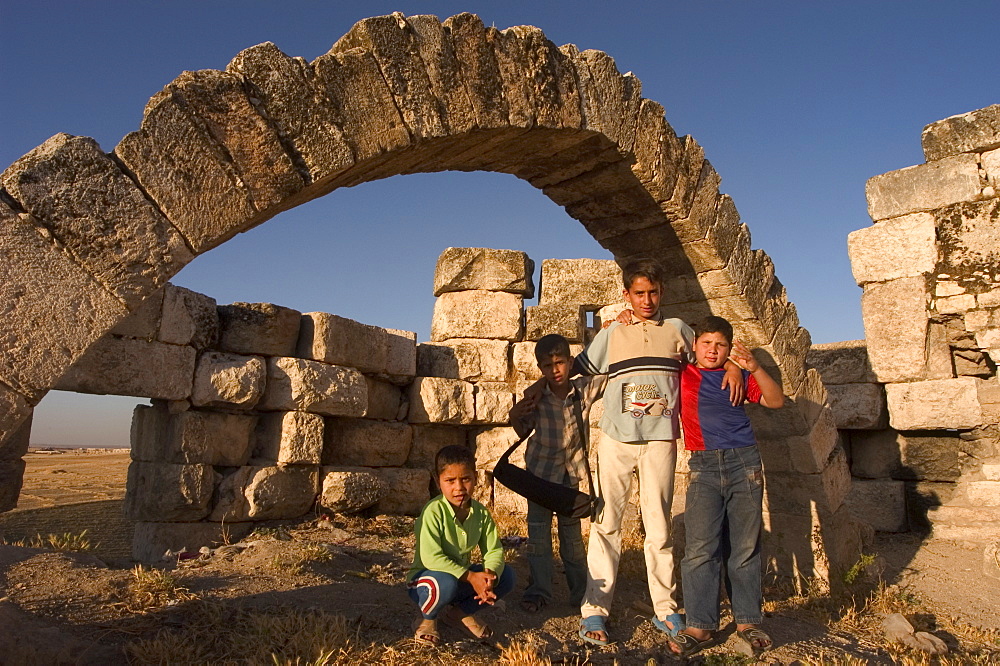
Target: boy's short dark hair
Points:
x,y
454,454
642,268
713,324
551,345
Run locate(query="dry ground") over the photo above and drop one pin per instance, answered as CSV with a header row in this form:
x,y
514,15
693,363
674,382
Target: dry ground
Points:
x,y
330,591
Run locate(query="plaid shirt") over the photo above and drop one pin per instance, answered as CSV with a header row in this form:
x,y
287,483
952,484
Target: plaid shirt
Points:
x,y
554,452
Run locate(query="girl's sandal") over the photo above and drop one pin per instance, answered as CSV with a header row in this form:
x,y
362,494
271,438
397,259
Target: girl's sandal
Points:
x,y
689,645
425,632
455,618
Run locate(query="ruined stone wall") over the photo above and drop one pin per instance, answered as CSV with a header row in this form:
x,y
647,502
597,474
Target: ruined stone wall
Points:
x,y
930,269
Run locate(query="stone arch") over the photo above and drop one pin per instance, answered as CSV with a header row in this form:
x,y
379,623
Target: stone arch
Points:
x,y
89,235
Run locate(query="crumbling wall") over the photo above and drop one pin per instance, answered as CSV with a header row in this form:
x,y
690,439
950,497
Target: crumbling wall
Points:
x,y
930,269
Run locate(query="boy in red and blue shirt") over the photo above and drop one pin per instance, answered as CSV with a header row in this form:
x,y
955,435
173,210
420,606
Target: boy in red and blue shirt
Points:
x,y
723,511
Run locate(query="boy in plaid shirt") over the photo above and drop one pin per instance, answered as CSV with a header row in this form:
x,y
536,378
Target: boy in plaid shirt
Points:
x,y
556,452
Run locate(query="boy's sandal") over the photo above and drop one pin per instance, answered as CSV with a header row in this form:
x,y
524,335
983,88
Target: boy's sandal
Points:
x,y
533,604
454,617
756,638
425,634
675,626
689,645
593,624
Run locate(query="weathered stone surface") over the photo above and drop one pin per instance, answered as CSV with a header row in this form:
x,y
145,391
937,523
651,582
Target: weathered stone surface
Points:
x,y
880,503
991,164
929,458
468,359
842,362
465,268
332,339
289,437
875,454
11,477
15,411
295,384
168,492
385,401
130,366
477,314
144,321
213,165
439,400
858,406
151,541
923,187
523,361
189,318
983,493
795,493
590,282
350,489
968,236
266,493
258,328
925,496
428,440
410,490
479,68
565,320
301,115
98,216
228,380
53,309
807,453
493,402
964,524
359,442
938,403
895,318
901,247
210,438
490,443
976,130
16,444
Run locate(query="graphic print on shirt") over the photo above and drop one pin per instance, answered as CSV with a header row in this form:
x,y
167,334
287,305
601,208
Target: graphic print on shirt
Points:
x,y
643,399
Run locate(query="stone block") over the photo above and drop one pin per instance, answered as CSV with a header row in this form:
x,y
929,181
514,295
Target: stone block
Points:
x,y
499,498
875,454
493,402
923,187
168,492
16,444
401,355
964,524
807,453
858,406
189,318
332,339
565,320
428,440
895,318
465,268
410,490
991,164
590,282
841,362
983,493
11,478
523,361
359,442
350,489
54,308
385,401
210,438
289,438
966,132
468,359
991,472
934,404
905,246
144,321
490,443
880,502
968,236
295,384
925,496
477,314
151,541
795,493
14,412
258,328
439,400
98,215
266,493
202,146
131,366
228,380
937,457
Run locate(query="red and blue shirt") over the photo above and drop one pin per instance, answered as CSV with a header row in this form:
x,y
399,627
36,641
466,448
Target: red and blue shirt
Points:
x,y
709,419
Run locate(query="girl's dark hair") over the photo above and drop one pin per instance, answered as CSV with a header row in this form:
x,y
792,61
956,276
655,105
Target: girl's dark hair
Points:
x,y
645,268
453,455
713,324
551,345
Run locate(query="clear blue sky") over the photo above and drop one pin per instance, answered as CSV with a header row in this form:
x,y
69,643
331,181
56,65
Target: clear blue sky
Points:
x,y
796,103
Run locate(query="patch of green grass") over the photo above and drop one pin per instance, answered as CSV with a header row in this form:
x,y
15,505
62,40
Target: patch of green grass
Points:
x,y
859,568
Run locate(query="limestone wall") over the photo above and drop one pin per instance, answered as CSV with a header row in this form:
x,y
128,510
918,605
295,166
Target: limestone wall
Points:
x,y
930,270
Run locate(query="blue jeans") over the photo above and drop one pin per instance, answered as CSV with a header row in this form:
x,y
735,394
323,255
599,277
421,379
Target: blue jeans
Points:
x,y
722,523
540,559
434,590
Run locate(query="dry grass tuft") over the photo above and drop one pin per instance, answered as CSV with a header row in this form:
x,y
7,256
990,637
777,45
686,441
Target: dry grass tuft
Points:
x,y
58,542
523,653
153,588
